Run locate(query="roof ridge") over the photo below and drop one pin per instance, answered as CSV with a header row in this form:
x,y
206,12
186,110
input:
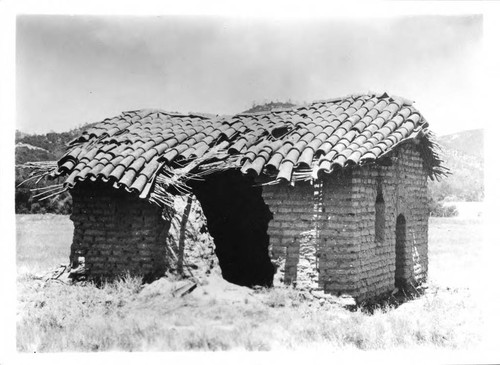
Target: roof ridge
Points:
x,y
369,94
148,111
302,105
278,110
404,101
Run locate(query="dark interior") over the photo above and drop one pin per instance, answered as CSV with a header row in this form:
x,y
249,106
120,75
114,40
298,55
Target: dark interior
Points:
x,y
237,219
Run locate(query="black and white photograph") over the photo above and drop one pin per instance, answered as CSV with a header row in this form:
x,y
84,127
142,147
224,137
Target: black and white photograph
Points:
x,y
200,182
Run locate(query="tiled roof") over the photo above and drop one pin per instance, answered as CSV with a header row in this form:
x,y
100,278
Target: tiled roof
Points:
x,y
320,137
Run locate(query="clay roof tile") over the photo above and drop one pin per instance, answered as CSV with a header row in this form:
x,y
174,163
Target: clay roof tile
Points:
x,y
127,178
285,171
327,134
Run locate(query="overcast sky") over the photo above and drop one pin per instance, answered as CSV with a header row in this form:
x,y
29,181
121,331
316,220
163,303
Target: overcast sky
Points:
x,y
77,69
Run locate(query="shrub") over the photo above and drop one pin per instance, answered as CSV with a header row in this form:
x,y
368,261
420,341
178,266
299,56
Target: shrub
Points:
x,y
438,209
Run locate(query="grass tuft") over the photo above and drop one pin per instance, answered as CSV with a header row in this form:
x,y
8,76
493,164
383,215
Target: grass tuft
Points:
x,y
125,315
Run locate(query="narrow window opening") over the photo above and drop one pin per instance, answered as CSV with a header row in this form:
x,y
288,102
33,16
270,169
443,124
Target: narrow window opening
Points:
x,y
379,218
400,279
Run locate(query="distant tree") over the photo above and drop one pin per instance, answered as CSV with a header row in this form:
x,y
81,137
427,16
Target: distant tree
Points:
x,y
269,106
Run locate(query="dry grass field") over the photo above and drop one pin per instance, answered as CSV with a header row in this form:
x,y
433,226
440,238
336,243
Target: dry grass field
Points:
x,y
126,316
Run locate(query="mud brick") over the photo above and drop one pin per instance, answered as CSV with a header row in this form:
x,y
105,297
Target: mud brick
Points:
x,y
112,223
347,224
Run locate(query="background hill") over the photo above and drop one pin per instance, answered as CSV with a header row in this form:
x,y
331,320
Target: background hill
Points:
x,y
267,107
470,142
45,147
463,154
41,147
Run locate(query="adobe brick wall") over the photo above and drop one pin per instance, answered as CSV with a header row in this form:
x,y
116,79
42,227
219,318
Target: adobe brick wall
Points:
x,y
291,235
404,188
321,236
117,232
327,240
339,235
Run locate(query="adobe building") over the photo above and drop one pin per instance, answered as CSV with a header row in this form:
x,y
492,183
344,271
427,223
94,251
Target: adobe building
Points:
x,y
330,195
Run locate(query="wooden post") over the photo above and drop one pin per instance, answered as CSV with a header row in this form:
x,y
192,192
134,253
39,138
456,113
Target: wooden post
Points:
x,y
182,234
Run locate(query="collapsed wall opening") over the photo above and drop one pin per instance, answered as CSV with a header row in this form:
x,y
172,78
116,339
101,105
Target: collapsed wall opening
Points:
x,y
237,219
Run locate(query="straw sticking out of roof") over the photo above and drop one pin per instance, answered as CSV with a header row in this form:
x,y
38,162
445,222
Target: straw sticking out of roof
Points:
x,y
150,152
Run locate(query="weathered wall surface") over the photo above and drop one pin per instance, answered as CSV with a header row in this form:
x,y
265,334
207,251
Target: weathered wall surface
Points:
x,y
313,234
404,189
291,233
323,236
339,237
117,232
